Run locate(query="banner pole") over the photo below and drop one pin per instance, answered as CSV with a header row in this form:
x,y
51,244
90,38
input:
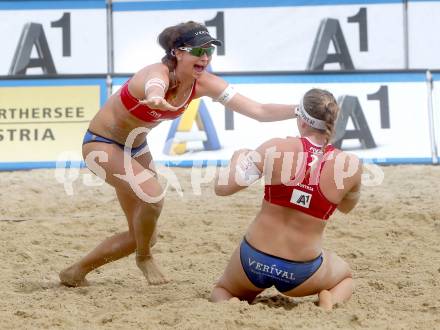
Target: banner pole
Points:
x,y
430,85
405,34
110,52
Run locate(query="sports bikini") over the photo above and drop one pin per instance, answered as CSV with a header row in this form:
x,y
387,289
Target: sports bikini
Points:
x,y
143,112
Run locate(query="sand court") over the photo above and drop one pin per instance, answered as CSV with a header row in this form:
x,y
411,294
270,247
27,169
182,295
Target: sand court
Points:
x,y
390,240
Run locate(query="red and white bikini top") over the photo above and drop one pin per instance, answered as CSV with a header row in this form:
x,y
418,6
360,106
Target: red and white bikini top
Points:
x,y
305,196
143,112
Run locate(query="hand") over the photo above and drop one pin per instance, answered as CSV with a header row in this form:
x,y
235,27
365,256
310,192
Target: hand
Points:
x,y
295,110
238,152
244,158
158,102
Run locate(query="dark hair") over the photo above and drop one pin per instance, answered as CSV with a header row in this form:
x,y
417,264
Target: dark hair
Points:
x,y
168,37
321,104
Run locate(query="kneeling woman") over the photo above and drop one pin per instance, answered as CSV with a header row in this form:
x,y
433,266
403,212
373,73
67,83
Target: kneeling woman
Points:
x,y
306,180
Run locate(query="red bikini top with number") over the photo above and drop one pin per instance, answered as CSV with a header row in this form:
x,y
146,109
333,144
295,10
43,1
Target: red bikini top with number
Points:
x,y
143,112
305,196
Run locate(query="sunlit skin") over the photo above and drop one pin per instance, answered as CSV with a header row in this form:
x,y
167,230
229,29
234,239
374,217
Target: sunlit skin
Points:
x,y
192,66
114,122
289,233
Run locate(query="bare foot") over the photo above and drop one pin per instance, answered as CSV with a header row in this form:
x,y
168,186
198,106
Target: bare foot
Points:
x,y
150,270
72,277
325,300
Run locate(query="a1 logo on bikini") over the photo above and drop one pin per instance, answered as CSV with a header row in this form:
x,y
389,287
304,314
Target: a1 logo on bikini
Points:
x,y
301,198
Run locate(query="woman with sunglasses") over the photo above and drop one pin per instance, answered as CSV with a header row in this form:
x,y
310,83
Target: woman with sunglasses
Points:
x,y
306,180
158,92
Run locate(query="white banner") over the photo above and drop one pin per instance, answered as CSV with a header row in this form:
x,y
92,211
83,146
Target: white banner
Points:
x,y
394,108
63,41
366,36
424,39
258,35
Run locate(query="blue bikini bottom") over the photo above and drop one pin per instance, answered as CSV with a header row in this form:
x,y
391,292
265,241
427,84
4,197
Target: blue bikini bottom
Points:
x,y
265,270
93,137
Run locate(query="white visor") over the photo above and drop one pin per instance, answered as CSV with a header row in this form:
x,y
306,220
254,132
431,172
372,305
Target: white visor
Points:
x,y
311,121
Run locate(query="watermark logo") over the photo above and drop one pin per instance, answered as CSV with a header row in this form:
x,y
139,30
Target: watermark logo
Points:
x,y
204,172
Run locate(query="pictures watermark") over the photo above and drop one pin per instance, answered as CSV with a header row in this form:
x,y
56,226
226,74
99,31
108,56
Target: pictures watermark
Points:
x,y
245,168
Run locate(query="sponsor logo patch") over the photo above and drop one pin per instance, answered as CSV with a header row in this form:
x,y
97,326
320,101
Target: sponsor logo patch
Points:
x,y
301,198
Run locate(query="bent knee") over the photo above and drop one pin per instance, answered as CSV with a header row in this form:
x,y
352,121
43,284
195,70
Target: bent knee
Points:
x,y
131,242
349,273
150,192
345,267
152,209
338,266
342,266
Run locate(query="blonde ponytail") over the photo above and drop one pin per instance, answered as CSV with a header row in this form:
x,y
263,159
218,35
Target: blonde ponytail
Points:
x,y
321,105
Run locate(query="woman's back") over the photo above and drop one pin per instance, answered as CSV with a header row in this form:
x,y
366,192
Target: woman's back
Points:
x,y
301,192
306,179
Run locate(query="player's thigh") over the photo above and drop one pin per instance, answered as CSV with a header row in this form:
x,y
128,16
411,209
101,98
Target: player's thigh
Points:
x,y
126,174
146,160
332,271
235,280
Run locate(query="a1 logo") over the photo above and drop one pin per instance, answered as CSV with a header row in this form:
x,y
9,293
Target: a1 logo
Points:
x,y
301,198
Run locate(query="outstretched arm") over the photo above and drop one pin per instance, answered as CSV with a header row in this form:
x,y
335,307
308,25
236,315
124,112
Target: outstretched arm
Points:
x,y
150,86
219,90
246,167
263,112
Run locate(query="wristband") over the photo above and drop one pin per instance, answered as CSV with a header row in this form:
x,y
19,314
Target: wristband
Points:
x,y
227,94
156,82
